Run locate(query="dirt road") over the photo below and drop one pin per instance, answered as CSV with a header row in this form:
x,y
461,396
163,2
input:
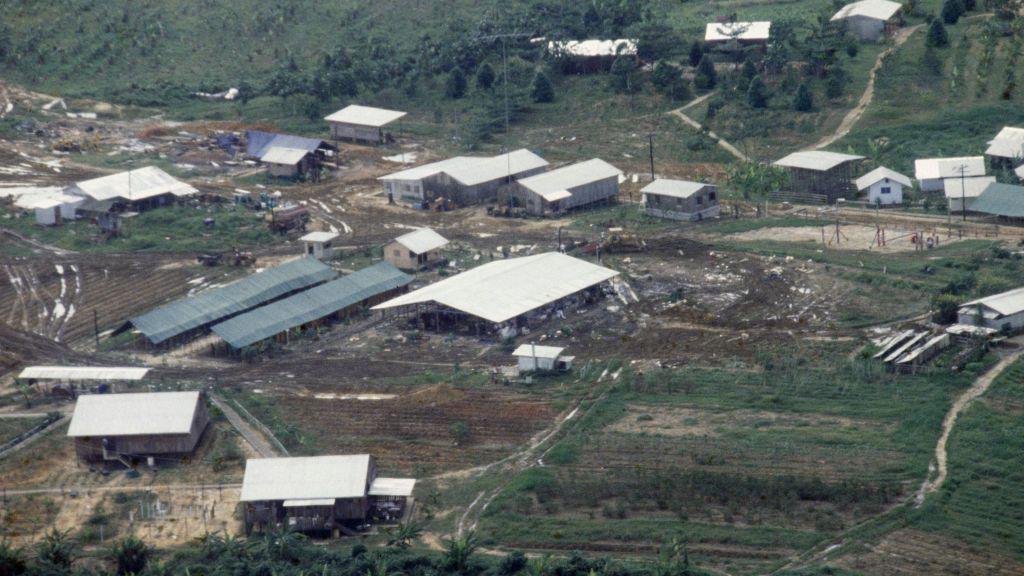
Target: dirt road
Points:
x,y
977,389
854,115
255,438
678,113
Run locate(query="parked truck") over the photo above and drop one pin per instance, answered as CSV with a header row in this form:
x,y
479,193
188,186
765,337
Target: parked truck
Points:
x,y
287,218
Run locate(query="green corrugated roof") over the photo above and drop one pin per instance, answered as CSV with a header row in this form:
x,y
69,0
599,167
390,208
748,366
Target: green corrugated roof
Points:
x,y
1001,200
313,304
214,304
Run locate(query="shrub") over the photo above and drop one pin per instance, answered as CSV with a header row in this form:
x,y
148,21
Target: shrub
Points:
x,y
757,93
937,36
944,308
952,10
542,91
455,85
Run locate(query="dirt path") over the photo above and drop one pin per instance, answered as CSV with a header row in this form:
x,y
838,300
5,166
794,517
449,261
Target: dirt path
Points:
x,y
977,389
854,115
255,438
678,113
39,434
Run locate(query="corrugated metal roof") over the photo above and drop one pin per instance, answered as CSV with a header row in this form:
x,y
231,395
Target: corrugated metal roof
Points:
x,y
878,174
819,160
719,32
933,168
674,188
875,9
365,116
84,373
534,351
1005,303
501,290
569,177
967,187
133,414
305,478
313,304
319,237
284,156
422,241
1001,200
258,143
392,486
183,315
132,185
593,47
1009,143
473,170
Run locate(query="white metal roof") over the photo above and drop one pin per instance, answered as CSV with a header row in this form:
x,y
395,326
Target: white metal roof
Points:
x,y
1009,143
967,187
84,373
365,116
674,188
473,170
534,351
305,478
1019,171
132,185
32,201
569,177
819,160
593,47
879,174
134,414
501,290
874,9
319,237
422,241
722,31
933,168
392,486
285,156
1005,303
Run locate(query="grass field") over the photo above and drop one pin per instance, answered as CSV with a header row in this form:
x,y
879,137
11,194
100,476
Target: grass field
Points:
x,y
168,229
12,427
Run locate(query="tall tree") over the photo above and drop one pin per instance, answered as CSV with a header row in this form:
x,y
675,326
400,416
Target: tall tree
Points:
x,y
455,85
757,93
804,100
706,77
952,10
542,91
485,76
937,36
696,53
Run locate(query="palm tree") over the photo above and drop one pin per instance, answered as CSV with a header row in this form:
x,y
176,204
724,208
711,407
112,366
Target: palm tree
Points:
x,y
458,552
279,544
56,549
12,560
403,535
131,555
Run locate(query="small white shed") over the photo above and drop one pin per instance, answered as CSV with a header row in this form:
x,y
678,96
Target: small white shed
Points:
x,y
884,186
533,357
415,250
318,244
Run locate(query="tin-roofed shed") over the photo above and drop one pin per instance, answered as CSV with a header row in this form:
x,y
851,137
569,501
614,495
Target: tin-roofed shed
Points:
x,y
829,174
680,199
417,249
183,317
335,299
996,312
869,20
362,123
567,188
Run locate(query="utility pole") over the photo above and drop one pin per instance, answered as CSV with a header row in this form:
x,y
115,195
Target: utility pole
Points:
x,y
962,169
96,328
650,149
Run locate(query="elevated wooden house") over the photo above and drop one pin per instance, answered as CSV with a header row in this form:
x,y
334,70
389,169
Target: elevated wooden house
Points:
x,y
127,428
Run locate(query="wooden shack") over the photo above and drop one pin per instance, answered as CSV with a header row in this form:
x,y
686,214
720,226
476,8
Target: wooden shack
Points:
x,y
680,200
827,174
568,188
128,428
317,494
415,250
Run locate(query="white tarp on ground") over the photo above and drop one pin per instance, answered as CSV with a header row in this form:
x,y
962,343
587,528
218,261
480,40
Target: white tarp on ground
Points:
x,y
134,414
83,373
501,290
305,478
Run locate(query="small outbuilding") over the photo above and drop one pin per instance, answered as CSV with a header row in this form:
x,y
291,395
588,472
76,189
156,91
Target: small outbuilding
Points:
x,y
415,250
680,199
997,312
320,494
570,187
288,156
1006,150
532,358
125,428
319,245
931,172
581,56
962,192
884,186
362,123
462,180
869,20
829,174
